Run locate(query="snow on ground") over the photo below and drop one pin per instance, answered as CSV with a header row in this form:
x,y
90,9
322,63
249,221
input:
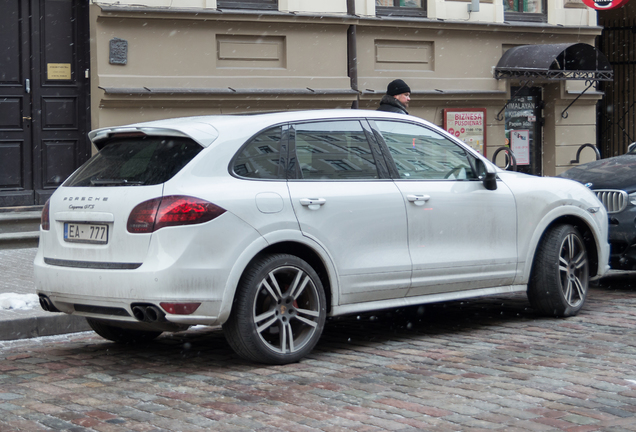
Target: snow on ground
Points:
x,y
18,301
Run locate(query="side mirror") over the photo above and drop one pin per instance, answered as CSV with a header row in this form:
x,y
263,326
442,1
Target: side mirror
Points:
x,y
487,175
631,147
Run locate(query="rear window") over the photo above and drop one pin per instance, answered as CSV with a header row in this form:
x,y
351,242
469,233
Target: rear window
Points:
x,y
139,161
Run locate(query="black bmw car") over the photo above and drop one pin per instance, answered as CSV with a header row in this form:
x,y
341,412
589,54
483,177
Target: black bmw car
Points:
x,y
614,181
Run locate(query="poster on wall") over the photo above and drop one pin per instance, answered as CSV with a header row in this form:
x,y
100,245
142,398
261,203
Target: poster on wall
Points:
x,y
520,146
524,113
468,125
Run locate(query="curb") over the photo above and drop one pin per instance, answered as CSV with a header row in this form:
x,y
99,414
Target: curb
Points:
x,y
19,240
36,326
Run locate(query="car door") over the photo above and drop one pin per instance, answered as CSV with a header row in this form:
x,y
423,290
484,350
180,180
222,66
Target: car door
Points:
x,y
461,235
345,202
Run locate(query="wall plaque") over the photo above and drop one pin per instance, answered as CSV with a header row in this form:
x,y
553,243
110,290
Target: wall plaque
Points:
x,y
58,71
118,51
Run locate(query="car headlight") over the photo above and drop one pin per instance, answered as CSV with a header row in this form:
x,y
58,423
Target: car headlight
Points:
x,y
632,198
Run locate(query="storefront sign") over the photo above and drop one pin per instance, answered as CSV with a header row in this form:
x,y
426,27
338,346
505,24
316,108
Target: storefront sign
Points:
x,y
522,128
58,71
604,4
468,125
520,146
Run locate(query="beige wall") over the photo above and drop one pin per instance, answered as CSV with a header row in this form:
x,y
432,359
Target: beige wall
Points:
x,y
450,66
179,66
204,62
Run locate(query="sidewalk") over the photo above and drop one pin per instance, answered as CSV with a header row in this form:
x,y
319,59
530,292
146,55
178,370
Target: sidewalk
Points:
x,y
16,270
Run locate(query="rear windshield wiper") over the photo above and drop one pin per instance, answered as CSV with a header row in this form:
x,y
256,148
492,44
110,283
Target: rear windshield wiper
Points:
x,y
115,182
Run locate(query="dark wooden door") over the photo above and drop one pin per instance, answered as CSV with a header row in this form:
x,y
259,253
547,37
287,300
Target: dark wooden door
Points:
x,y
44,96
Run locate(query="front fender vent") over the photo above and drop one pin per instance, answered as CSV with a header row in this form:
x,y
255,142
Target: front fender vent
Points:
x,y
614,200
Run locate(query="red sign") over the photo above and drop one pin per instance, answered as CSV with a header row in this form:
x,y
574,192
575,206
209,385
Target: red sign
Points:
x,y
604,4
467,124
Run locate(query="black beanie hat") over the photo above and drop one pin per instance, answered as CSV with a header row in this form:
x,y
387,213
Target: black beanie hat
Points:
x,y
397,87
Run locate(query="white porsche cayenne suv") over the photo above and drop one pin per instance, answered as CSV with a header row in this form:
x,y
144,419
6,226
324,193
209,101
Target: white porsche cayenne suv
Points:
x,y
267,224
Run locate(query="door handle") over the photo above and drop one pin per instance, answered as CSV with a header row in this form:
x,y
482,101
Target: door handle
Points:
x,y
418,199
312,203
26,118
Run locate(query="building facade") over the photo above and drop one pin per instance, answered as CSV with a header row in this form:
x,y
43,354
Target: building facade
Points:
x,y
109,63
616,127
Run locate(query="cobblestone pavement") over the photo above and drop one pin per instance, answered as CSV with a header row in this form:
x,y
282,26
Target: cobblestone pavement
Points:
x,y
17,270
16,277
487,364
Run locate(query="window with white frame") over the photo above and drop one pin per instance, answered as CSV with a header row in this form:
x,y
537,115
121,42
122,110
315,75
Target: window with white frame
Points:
x,y
525,10
401,7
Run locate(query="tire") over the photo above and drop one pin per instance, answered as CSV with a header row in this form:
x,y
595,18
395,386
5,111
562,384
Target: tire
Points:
x,y
120,334
279,311
560,273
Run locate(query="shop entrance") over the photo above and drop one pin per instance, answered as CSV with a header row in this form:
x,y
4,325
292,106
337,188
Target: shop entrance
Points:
x,y
44,97
523,128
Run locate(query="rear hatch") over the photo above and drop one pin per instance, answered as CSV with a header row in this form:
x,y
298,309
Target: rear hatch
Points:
x,y
89,213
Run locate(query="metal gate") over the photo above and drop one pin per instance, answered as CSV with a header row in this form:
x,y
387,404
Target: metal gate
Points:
x,y
617,110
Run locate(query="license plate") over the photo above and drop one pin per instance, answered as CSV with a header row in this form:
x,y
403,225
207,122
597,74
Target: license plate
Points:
x,y
86,233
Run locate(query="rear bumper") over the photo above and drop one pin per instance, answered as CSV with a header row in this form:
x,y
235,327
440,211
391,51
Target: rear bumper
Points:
x,y
121,311
182,265
90,294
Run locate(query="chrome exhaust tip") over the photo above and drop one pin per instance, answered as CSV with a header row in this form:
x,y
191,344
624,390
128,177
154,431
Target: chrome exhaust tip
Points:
x,y
44,303
47,304
139,312
148,313
153,313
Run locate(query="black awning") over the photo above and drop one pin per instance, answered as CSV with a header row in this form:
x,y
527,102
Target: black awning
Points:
x,y
574,61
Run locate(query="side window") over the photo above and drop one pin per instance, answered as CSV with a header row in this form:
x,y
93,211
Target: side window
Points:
x,y
260,159
420,153
334,150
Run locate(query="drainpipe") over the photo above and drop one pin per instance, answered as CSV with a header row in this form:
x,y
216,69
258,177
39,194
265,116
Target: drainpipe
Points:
x,y
352,53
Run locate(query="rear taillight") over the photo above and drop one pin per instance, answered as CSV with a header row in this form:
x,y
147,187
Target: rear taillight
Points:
x,y
154,214
45,222
142,218
180,308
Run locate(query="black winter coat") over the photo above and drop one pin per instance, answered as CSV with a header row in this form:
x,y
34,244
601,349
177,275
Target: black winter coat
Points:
x,y
391,104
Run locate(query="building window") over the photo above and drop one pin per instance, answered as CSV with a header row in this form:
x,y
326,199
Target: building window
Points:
x,y
266,149
401,7
247,4
341,165
525,10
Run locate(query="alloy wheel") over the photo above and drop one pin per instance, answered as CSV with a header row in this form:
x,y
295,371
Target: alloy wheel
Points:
x,y
573,269
286,309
